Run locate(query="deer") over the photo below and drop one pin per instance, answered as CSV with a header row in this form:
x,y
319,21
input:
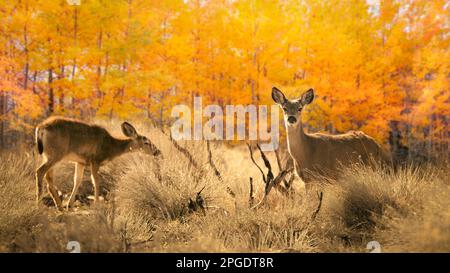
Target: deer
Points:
x,y
87,145
319,153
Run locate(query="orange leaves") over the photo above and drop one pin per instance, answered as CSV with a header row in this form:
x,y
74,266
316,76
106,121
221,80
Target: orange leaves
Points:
x,y
26,104
369,61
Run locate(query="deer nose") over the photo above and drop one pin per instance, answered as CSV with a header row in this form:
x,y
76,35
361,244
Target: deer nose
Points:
x,y
292,119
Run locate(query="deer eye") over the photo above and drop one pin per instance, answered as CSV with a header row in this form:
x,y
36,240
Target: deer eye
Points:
x,y
284,109
300,109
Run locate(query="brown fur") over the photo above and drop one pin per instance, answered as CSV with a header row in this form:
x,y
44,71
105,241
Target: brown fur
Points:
x,y
323,154
327,154
60,138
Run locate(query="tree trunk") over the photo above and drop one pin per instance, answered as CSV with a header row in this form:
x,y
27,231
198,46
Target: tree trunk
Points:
x,y
75,29
34,82
27,55
27,59
99,69
2,125
50,92
61,76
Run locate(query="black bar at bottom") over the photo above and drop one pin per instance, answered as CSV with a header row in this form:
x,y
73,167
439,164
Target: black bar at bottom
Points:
x,y
226,262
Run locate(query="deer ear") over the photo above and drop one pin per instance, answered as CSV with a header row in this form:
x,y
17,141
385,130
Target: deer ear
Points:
x,y
278,96
129,130
307,97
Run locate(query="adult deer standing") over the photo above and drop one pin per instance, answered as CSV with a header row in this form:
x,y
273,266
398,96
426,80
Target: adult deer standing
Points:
x,y
67,139
323,154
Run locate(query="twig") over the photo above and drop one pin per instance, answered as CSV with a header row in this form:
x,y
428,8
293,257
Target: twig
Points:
x,y
231,192
251,199
186,153
216,171
314,215
270,181
254,162
289,163
277,155
276,182
269,176
211,162
199,203
158,170
194,163
198,193
182,150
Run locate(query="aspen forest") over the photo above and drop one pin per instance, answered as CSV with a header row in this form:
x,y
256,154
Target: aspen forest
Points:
x,y
377,66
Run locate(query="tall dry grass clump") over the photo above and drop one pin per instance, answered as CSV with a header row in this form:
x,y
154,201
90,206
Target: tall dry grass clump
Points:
x,y
284,227
24,227
17,211
154,192
267,229
399,209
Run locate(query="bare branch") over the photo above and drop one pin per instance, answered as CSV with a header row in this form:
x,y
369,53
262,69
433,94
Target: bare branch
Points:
x,y
201,190
211,162
276,182
158,173
269,176
186,153
289,163
314,215
194,163
288,183
254,162
231,192
251,197
269,180
182,150
216,171
277,154
198,204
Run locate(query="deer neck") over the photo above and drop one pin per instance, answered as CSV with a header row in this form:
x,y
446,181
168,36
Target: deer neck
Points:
x,y
118,147
297,141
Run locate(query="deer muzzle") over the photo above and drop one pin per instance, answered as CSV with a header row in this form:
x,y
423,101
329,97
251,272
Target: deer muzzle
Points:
x,y
292,119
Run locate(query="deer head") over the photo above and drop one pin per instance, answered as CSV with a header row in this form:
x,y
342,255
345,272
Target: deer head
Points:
x,y
139,142
292,109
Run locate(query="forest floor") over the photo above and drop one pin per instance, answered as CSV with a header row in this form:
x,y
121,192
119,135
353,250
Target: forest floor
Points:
x,y
145,206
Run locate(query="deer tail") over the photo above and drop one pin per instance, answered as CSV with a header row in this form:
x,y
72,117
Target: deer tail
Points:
x,y
38,138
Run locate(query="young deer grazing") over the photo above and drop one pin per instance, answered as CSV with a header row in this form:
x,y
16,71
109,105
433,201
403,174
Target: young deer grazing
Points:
x,y
318,153
67,139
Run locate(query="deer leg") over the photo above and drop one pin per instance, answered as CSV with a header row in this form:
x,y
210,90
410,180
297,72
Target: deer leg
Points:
x,y
77,179
40,173
52,190
95,180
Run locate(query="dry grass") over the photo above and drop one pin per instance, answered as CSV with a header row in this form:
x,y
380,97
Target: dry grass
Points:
x,y
147,207
406,211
